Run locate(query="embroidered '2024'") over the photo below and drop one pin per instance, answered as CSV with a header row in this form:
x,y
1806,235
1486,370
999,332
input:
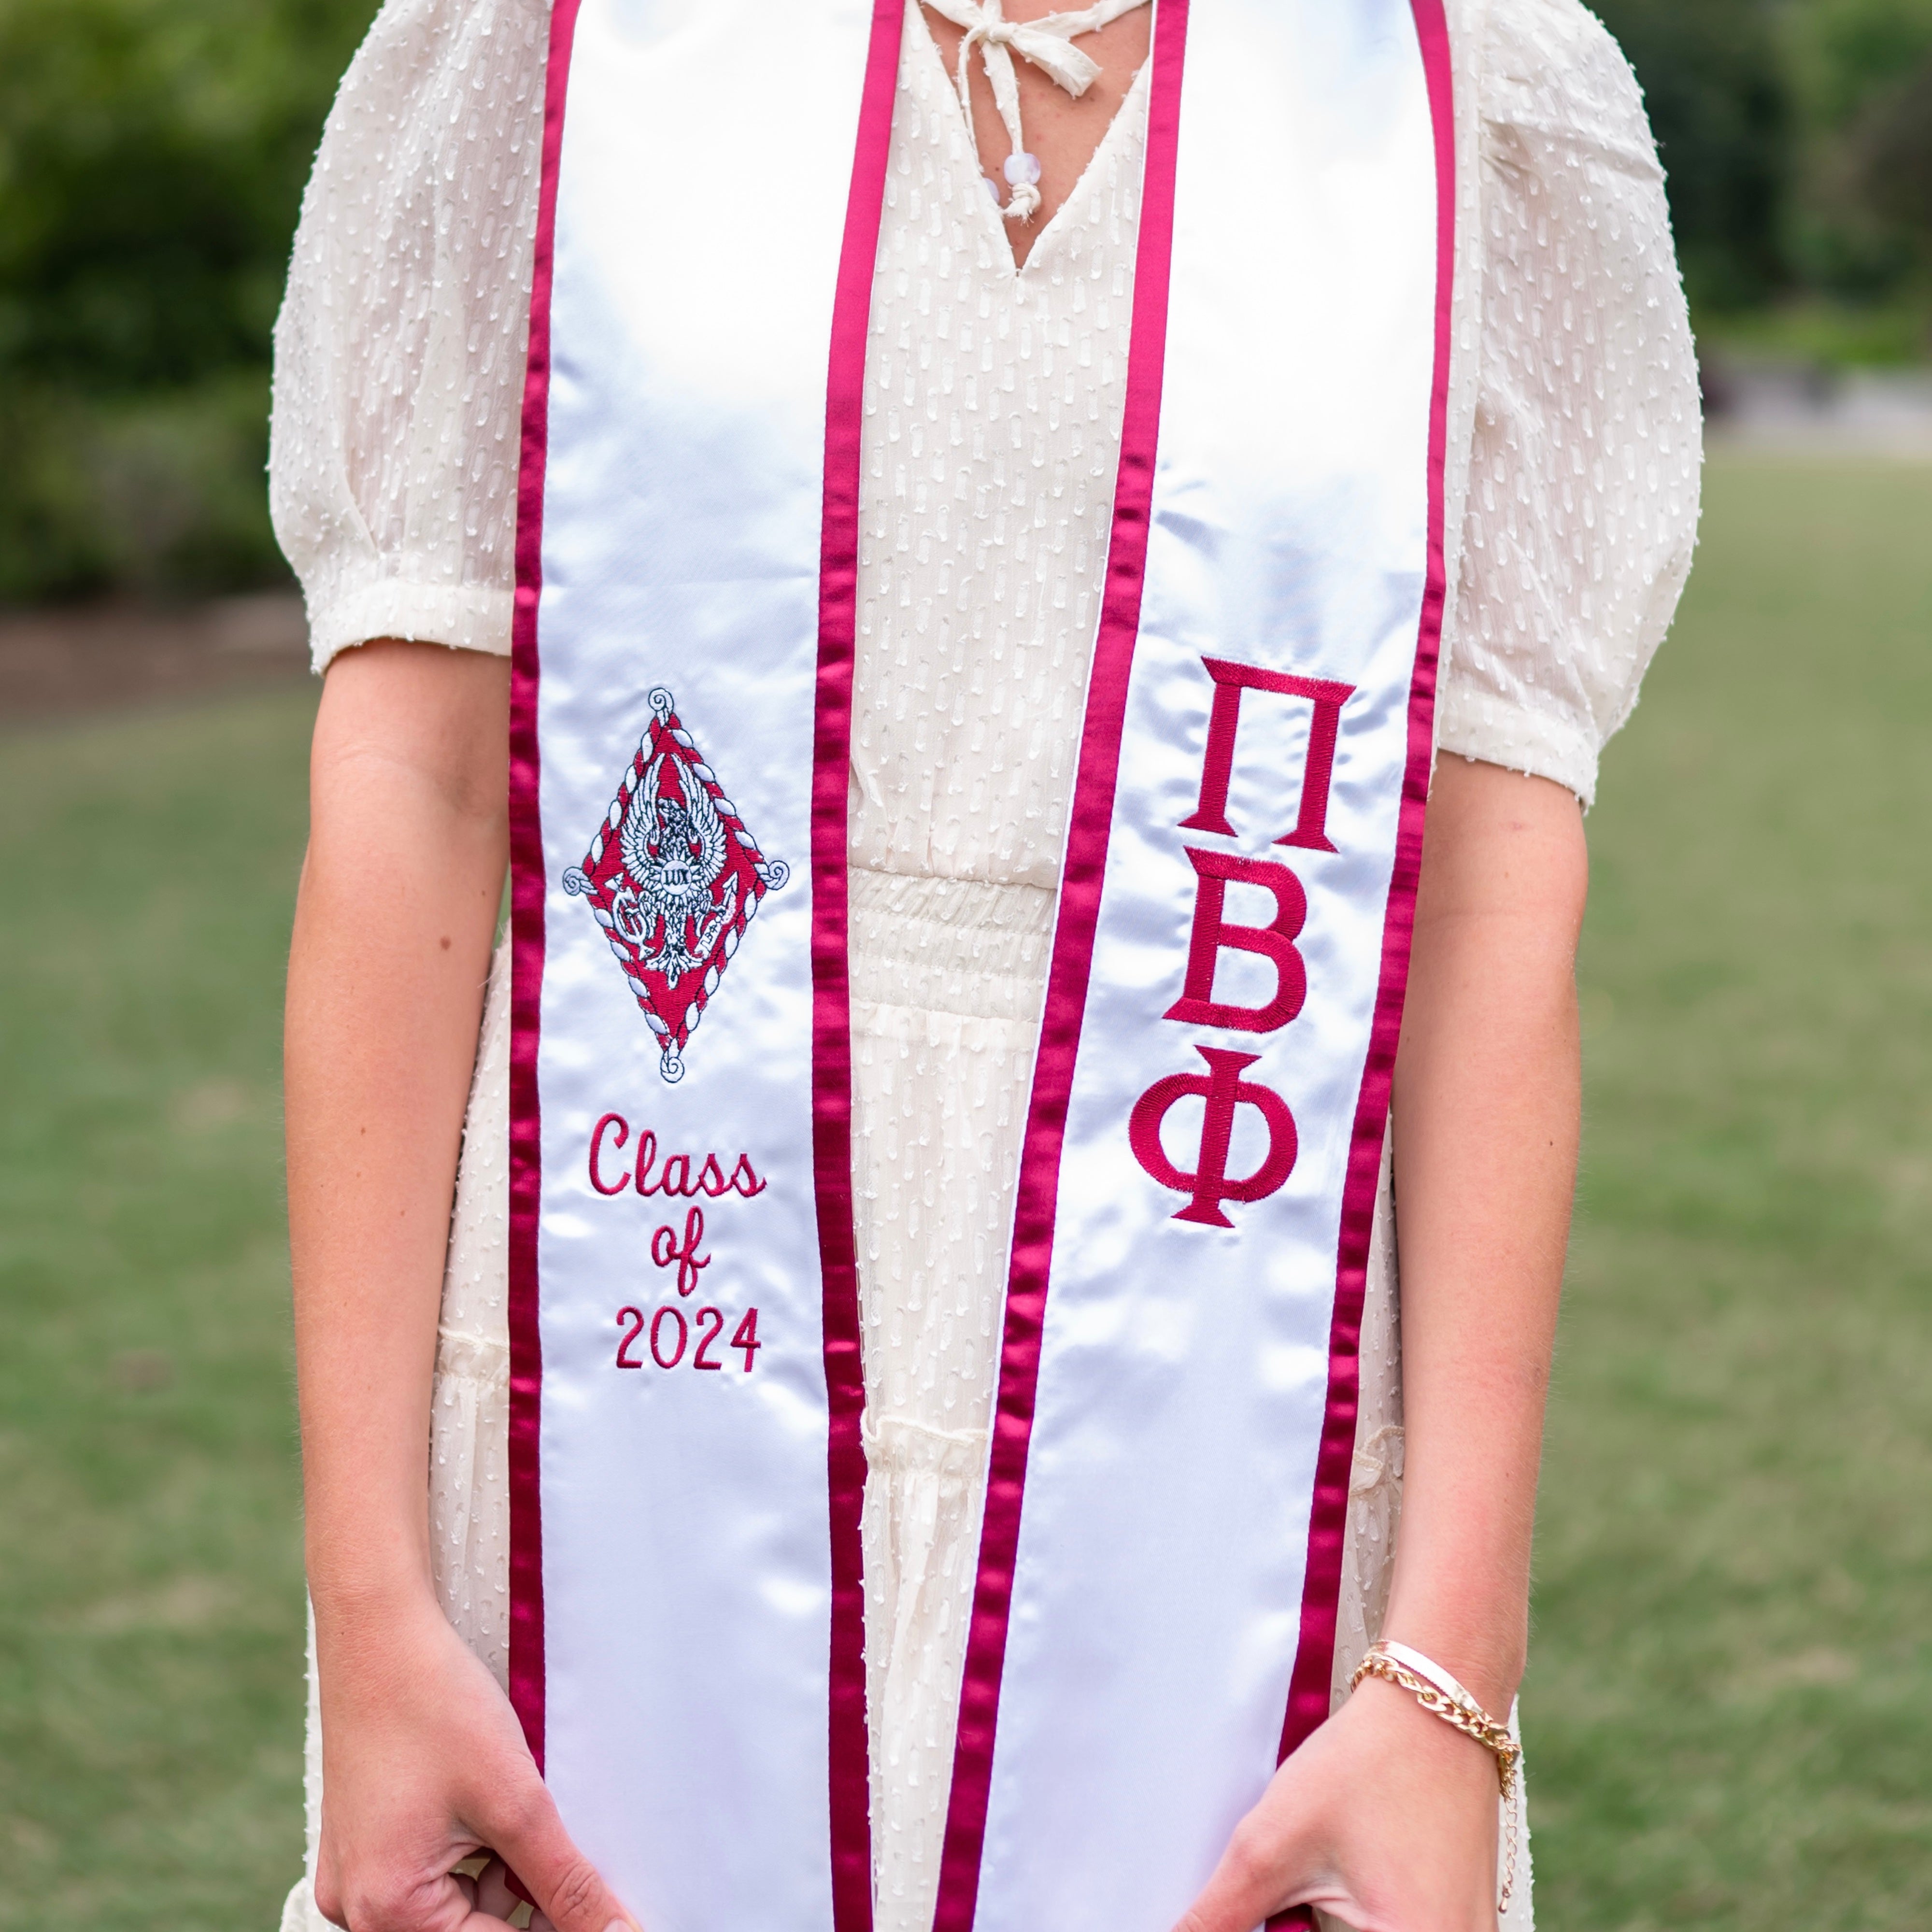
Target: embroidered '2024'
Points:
x,y
1223,1088
671,1331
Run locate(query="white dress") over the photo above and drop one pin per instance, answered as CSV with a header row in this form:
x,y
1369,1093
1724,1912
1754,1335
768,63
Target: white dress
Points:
x,y
993,399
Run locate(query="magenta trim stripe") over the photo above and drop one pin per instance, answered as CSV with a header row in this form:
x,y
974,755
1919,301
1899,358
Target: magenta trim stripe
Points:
x,y
526,931
1309,1687
832,1025
1067,991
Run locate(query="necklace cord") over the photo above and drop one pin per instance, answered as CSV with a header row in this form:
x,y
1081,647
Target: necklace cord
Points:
x,y
1048,43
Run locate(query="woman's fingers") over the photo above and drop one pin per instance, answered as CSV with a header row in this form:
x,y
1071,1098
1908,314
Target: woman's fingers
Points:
x,y
1258,1873
428,1764
568,1890
1385,1816
444,1903
328,1896
493,1894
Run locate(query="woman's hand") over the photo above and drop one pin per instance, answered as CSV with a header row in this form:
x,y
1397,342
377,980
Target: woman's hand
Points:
x,y
1386,1816
423,1764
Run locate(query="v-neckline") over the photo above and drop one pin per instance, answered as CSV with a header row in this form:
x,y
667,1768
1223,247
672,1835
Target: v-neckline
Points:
x,y
990,211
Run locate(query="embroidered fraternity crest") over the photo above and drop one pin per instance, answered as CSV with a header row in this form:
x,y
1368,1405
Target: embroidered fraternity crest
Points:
x,y
673,878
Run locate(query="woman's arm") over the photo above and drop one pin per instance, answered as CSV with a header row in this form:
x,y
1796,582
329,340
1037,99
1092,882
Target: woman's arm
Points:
x,y
1387,1816
1488,1108
423,1760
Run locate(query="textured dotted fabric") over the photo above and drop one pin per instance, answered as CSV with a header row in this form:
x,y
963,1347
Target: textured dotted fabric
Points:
x,y
993,404
993,399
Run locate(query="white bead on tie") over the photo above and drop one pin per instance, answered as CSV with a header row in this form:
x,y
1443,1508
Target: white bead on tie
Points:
x,y
1048,43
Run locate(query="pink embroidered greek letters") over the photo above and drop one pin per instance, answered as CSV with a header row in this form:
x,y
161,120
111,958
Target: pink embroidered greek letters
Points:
x,y
1223,1090
1311,826
1274,942
673,878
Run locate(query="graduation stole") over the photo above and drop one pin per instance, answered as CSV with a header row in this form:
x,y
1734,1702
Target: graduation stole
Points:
x,y
1154,1618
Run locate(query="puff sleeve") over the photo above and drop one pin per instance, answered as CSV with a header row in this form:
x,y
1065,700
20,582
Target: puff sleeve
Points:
x,y
1584,468
399,352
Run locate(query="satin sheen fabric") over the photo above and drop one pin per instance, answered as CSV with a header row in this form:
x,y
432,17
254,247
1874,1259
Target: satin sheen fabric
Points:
x,y
686,1575
1185,1372
1157,1581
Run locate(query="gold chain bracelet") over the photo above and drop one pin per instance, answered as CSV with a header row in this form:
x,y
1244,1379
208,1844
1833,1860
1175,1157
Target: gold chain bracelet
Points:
x,y
1439,1694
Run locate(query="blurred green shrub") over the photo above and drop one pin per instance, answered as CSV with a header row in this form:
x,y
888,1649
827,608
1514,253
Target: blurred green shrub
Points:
x,y
1715,82
1862,219
157,492
1891,151
1798,138
152,155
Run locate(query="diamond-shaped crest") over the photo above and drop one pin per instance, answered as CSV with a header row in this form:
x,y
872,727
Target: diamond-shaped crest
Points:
x,y
673,878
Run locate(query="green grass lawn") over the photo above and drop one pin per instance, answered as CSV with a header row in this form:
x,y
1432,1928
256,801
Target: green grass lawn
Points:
x,y
1729,1711
1729,1708
151,1611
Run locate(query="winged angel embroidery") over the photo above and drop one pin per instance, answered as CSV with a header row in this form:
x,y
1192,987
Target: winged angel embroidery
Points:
x,y
673,878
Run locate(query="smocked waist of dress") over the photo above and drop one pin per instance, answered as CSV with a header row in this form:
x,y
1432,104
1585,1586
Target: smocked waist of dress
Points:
x,y
969,946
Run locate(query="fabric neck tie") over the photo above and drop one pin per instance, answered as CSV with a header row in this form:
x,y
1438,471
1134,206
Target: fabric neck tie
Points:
x,y
1048,43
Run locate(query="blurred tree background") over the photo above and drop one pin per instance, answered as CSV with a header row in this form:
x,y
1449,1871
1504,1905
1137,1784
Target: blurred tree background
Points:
x,y
152,153
1798,138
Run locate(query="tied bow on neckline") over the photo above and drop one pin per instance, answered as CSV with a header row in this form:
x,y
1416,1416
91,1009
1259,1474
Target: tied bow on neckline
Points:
x,y
1048,43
